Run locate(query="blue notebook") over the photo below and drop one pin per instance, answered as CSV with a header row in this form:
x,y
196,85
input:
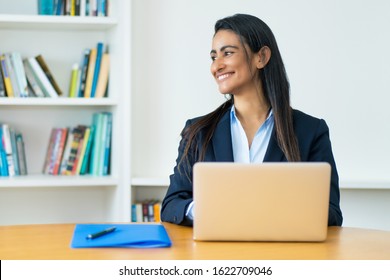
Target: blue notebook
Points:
x,y
124,235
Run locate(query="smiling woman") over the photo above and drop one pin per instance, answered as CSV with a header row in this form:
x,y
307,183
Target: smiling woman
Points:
x,y
256,124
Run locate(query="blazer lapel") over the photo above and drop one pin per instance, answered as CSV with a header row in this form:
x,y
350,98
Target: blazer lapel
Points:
x,y
222,140
274,153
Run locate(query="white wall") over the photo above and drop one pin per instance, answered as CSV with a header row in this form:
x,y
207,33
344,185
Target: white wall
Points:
x,y
336,54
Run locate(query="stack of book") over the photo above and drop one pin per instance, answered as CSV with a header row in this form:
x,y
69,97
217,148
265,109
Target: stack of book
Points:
x,y
89,78
82,149
146,211
12,153
74,7
26,78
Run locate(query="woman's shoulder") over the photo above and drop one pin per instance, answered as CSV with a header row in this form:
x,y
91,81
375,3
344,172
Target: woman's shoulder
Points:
x,y
306,122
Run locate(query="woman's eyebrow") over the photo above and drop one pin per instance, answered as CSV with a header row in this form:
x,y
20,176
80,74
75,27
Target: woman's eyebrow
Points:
x,y
223,48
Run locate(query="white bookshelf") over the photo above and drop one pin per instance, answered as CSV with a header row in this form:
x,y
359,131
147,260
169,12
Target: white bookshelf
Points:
x,y
38,198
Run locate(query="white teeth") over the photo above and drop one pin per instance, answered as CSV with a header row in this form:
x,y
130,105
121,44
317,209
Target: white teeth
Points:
x,y
223,76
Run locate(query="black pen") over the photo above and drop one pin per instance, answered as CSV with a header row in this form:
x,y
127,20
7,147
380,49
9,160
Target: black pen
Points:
x,y
100,233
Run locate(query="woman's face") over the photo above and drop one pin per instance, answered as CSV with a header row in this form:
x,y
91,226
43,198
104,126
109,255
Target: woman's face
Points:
x,y
229,66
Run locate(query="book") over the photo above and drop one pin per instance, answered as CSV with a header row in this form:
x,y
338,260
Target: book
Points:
x,y
67,6
2,86
97,121
41,78
106,149
49,150
90,72
56,151
20,75
12,75
60,150
21,154
124,235
66,153
58,7
83,4
157,211
15,156
83,150
78,134
80,149
73,81
41,61
6,78
45,7
83,71
3,155
99,53
31,81
87,155
102,83
8,149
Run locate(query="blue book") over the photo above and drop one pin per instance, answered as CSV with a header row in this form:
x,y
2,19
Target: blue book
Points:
x,y
45,7
107,145
15,155
87,155
124,235
97,142
99,53
3,156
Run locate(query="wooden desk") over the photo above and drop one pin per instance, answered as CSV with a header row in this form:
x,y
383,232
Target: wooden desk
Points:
x,y
53,242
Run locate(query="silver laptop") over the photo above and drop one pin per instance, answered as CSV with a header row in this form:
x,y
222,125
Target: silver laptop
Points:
x,y
261,202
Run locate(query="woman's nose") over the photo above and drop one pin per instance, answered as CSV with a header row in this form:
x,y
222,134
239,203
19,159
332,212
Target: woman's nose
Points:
x,y
217,65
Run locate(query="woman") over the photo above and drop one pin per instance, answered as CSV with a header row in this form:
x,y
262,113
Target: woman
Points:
x,y
256,123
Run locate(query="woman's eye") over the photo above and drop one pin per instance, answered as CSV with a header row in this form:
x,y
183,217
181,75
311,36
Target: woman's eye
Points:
x,y
228,53
213,58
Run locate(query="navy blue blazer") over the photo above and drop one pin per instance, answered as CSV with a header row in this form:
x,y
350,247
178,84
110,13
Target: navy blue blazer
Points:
x,y
314,145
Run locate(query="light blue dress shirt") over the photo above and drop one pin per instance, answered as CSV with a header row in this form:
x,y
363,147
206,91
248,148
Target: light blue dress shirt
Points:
x,y
242,153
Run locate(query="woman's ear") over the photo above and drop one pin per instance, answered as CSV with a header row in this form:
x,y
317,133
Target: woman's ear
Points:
x,y
263,56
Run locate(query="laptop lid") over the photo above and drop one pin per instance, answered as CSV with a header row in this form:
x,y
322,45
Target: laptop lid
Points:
x,y
261,202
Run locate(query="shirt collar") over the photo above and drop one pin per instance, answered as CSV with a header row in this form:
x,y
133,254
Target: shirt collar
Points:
x,y
233,116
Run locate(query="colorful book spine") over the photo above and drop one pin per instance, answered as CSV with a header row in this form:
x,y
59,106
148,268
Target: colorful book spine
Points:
x,y
12,75
99,53
8,149
77,136
45,7
60,151
3,155
21,154
20,75
41,61
15,156
42,79
102,83
32,80
97,123
86,159
84,71
73,80
83,150
90,72
7,79
107,145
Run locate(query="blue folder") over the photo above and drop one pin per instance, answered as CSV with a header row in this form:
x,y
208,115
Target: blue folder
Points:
x,y
125,235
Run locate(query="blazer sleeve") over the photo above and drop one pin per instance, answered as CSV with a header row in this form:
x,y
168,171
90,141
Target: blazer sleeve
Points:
x,y
179,194
318,148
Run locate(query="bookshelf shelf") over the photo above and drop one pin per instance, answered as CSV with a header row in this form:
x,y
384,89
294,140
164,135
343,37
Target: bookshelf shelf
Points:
x,y
37,22
43,181
58,101
38,198
150,182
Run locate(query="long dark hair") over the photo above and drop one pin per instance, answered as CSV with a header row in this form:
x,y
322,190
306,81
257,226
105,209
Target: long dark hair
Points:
x,y
256,34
